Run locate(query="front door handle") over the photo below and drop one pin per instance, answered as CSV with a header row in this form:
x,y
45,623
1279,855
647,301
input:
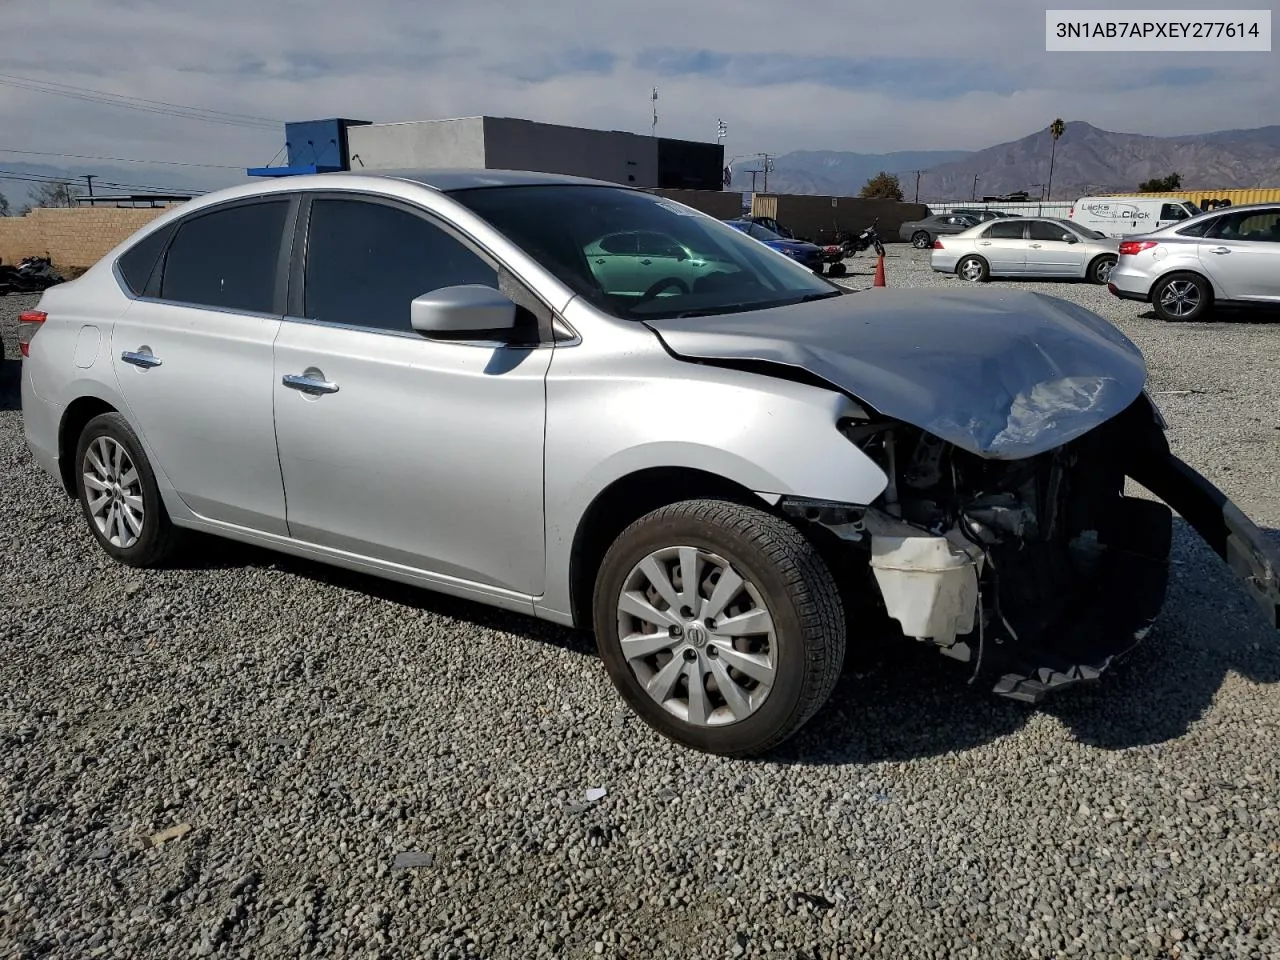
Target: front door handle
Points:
x,y
1220,250
599,259
647,262
144,360
1035,246
298,381
984,243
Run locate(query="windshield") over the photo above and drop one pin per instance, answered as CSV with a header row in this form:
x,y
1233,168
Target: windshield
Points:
x,y
638,256
759,231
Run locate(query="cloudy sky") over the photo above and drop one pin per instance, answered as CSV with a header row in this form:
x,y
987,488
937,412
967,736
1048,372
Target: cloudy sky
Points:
x,y
870,77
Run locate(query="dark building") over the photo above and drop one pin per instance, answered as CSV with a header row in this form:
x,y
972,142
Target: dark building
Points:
x,y
502,143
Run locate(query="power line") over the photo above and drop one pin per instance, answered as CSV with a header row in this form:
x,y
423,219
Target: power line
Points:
x,y
82,156
43,179
141,104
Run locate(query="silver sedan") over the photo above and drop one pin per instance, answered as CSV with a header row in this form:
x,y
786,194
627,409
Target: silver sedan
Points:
x,y
1042,247
1223,257
726,472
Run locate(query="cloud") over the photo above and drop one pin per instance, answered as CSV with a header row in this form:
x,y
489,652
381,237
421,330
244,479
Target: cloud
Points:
x,y
930,74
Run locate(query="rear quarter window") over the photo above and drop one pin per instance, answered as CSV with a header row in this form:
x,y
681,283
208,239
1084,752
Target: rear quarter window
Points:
x,y
138,264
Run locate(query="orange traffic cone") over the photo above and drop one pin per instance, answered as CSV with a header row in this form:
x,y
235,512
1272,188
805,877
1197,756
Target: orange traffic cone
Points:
x,y
879,281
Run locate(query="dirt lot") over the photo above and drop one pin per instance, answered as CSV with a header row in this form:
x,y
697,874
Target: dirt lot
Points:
x,y
297,729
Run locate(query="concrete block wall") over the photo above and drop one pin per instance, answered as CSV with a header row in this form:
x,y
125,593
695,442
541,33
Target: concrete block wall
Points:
x,y
71,236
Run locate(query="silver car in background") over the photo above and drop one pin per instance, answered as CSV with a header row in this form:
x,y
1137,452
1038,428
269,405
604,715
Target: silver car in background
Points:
x,y
1229,256
725,471
1041,247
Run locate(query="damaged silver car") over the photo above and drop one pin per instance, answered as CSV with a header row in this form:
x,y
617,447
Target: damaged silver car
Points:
x,y
725,466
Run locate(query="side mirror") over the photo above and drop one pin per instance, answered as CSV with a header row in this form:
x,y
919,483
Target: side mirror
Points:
x,y
1070,238
468,308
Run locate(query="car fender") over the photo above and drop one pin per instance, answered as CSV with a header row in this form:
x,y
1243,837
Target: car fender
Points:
x,y
612,415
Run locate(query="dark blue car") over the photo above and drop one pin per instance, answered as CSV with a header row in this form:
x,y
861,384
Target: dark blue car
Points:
x,y
801,251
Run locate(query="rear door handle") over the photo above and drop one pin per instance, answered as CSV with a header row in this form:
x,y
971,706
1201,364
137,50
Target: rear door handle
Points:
x,y
1035,246
145,360
646,262
1220,250
297,381
984,243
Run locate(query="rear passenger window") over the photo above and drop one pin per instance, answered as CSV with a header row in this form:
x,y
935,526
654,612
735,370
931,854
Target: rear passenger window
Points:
x,y
138,263
1004,230
227,258
1173,211
367,261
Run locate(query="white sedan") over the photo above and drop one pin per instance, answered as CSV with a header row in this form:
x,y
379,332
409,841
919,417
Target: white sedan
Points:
x,y
1042,247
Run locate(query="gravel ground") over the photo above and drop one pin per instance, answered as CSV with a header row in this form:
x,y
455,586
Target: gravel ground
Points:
x,y
348,768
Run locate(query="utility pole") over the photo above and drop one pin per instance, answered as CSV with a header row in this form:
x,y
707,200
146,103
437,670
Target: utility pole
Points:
x,y
89,178
975,189
917,199
768,165
753,180
1056,130
722,130
654,98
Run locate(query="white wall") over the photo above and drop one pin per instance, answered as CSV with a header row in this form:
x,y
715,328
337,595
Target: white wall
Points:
x,y
421,144
1033,208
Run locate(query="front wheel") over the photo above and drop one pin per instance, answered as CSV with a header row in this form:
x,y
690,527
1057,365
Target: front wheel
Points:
x,y
920,240
118,494
720,625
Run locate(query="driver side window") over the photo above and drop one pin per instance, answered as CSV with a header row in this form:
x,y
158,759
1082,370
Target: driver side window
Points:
x,y
366,261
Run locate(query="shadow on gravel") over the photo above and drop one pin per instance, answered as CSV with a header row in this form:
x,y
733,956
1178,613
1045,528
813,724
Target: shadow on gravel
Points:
x,y
1245,314
214,553
10,383
908,703
901,701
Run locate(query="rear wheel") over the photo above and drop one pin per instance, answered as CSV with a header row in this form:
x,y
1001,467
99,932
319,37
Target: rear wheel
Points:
x,y
920,240
118,494
1100,269
1181,297
720,624
973,269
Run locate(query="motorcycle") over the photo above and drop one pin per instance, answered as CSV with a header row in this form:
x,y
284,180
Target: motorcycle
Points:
x,y
867,239
31,275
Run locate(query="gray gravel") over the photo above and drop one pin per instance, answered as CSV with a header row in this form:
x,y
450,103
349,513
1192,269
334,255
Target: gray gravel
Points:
x,y
258,757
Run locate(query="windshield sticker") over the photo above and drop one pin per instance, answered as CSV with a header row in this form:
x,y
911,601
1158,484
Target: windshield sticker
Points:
x,y
679,208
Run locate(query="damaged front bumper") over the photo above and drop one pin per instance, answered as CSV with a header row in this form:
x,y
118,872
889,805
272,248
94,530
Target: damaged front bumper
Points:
x,y
1035,612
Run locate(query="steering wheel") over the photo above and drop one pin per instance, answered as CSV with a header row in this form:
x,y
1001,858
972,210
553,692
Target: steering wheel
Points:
x,y
657,287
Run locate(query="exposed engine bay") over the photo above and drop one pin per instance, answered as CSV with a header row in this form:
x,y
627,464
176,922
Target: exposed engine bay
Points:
x,y
1039,570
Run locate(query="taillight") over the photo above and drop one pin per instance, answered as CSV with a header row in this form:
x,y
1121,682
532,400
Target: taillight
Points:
x,y
1130,247
28,324
937,244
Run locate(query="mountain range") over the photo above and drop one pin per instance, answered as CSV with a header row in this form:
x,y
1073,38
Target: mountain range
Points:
x,y
1086,160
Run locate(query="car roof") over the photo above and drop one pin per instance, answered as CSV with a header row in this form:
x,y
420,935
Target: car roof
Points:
x,y
464,178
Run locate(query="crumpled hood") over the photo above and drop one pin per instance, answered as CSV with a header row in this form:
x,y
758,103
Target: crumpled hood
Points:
x,y
1002,374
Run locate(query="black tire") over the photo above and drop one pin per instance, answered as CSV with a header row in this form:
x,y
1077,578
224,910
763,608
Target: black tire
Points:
x,y
1100,269
795,585
921,240
158,538
838,270
973,269
1181,297
818,268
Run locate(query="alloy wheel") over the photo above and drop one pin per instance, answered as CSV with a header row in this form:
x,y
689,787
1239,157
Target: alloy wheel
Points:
x,y
971,270
697,636
1180,298
113,492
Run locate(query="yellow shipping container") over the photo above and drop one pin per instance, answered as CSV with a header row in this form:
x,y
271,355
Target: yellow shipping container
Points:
x,y
1237,197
